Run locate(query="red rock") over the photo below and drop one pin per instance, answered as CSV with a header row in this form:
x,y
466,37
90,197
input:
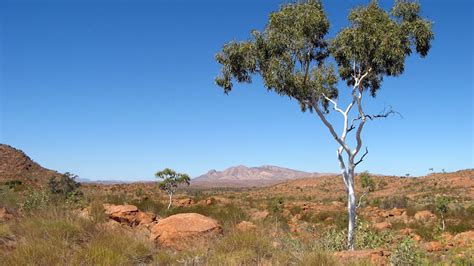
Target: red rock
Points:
x,y
382,226
406,231
128,214
433,246
376,256
180,230
425,216
464,239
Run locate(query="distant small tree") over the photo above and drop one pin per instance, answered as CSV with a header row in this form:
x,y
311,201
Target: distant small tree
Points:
x,y
65,185
442,208
431,169
171,181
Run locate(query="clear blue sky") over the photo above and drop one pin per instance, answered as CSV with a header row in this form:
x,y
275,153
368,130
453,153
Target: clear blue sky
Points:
x,y
120,89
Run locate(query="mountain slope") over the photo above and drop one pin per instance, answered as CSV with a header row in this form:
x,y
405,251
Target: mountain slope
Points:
x,y
243,176
16,165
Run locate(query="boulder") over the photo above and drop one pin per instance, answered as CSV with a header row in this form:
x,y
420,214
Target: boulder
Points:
x,y
245,226
185,202
128,214
433,246
425,216
382,226
181,230
464,239
406,231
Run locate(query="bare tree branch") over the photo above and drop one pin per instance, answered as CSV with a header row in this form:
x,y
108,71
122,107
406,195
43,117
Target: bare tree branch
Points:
x,y
361,197
362,158
384,114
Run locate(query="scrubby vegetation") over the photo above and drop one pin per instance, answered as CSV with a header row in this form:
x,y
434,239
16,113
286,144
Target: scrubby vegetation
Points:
x,y
289,229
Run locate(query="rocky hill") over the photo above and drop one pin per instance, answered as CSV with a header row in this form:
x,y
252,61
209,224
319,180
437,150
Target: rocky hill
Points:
x,y
243,176
16,165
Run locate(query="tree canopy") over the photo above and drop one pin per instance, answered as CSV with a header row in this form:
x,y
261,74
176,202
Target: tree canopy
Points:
x,y
290,53
171,180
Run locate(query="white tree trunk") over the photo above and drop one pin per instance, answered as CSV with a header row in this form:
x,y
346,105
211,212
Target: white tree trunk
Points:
x,y
348,168
169,205
351,210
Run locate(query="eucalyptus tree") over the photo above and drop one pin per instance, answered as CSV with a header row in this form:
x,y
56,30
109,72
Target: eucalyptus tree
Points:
x,y
171,181
293,56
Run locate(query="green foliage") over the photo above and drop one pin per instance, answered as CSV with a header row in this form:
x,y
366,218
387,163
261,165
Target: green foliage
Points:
x,y
407,254
65,185
276,205
367,182
379,42
171,180
36,199
365,238
338,219
442,205
397,201
16,185
290,53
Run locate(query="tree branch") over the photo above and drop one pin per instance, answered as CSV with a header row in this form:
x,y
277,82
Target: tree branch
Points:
x,y
383,114
361,197
362,158
334,103
331,128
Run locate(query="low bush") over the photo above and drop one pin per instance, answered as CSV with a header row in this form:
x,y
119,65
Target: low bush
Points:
x,y
398,201
407,253
365,238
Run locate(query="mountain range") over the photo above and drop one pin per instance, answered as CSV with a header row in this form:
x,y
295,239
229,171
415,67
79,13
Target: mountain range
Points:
x,y
243,176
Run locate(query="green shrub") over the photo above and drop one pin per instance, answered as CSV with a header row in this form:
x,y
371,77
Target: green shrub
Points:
x,y
338,219
407,253
365,238
398,201
64,185
36,199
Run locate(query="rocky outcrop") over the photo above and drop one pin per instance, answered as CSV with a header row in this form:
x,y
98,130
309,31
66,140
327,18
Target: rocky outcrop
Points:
x,y
128,214
15,165
181,230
